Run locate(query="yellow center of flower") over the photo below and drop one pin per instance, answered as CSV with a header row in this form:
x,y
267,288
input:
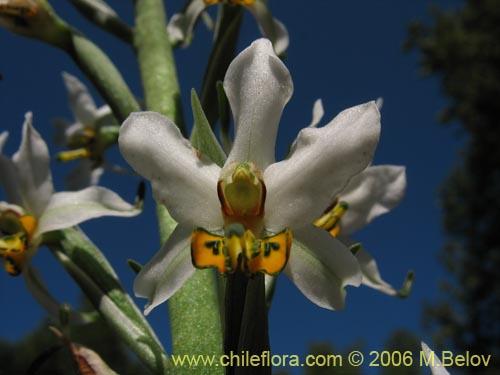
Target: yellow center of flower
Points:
x,y
233,2
242,195
82,146
16,235
329,221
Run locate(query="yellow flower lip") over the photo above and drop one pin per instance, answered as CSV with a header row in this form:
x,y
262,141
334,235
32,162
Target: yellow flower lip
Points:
x,y
239,249
15,244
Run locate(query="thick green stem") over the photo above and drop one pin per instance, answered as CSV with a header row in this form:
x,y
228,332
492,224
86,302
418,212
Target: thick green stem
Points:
x,y
194,314
156,61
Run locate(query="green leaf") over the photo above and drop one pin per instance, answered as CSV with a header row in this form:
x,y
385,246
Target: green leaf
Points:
x,y
225,118
223,52
202,137
97,279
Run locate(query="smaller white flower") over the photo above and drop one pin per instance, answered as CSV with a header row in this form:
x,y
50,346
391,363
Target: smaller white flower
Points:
x,y
34,208
94,131
373,192
181,25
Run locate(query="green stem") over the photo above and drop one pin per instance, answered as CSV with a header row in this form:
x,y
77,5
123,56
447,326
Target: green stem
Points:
x,y
97,279
103,74
156,61
194,315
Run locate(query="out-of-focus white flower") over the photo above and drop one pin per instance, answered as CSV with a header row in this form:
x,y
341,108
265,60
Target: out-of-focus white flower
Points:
x,y
243,215
180,27
34,208
373,192
94,130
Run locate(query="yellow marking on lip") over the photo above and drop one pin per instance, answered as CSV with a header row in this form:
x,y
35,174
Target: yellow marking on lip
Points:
x,y
239,248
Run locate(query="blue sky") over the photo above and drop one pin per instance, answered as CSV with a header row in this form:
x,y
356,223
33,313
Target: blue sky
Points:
x,y
346,53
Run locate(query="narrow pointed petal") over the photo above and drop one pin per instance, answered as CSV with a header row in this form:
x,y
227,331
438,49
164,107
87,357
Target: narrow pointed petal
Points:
x,y
3,138
320,164
317,113
181,25
372,193
270,27
60,126
258,86
8,174
67,209
371,274
321,266
167,271
80,101
33,170
182,180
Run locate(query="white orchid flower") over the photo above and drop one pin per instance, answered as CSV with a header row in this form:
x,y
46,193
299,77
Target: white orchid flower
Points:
x,y
94,130
34,208
261,203
181,25
373,192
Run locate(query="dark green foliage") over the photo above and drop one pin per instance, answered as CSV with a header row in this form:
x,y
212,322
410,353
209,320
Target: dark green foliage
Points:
x,y
402,341
463,48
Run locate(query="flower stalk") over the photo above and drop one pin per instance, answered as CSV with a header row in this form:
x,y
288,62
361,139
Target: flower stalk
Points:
x,y
194,309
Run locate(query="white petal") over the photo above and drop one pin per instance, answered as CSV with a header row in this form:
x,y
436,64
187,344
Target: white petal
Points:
x,y
372,193
320,164
167,271
104,113
270,27
8,174
33,170
3,138
317,113
185,183
60,128
321,266
81,103
435,364
181,25
371,274
7,206
66,209
258,85
84,175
